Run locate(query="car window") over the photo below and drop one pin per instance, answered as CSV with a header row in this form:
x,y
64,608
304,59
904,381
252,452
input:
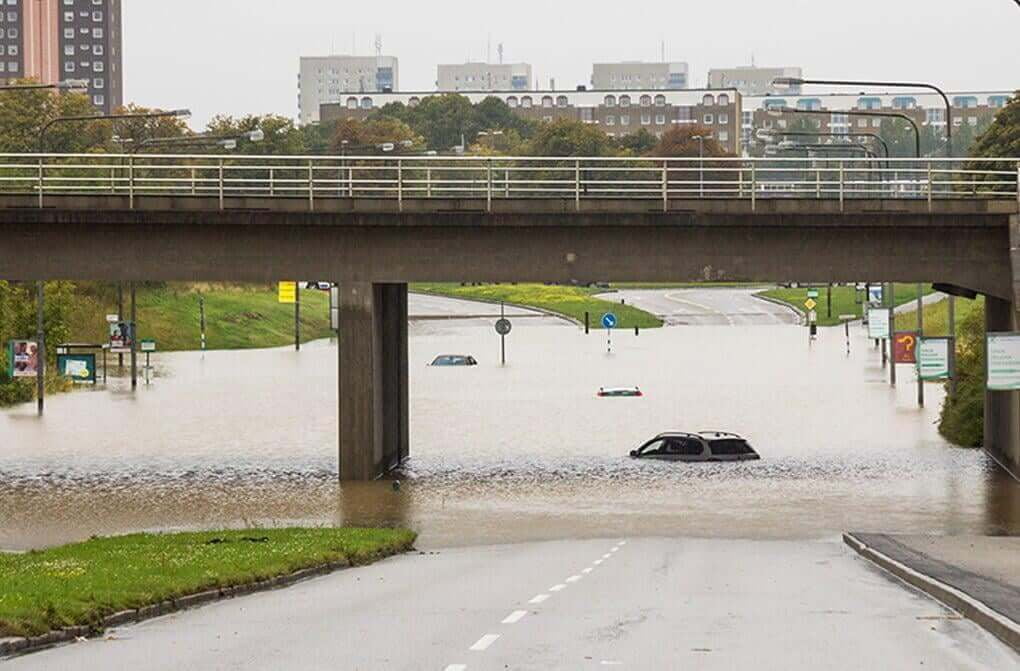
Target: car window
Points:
x,y
653,447
730,447
674,445
691,447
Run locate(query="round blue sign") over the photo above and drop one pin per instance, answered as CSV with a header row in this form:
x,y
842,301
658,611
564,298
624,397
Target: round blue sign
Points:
x,y
609,320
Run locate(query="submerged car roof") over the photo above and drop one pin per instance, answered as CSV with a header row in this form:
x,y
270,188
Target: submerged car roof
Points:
x,y
707,435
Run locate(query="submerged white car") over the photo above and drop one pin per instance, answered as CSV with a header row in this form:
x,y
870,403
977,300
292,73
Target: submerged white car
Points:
x,y
701,446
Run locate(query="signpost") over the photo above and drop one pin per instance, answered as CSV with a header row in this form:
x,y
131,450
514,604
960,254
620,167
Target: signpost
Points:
x,y
878,323
846,319
289,294
609,322
23,358
1003,361
876,295
148,346
934,357
503,328
905,347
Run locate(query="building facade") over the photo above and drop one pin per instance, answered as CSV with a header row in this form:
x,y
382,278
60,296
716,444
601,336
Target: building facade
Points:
x,y
752,80
56,40
484,77
325,79
618,113
631,75
973,109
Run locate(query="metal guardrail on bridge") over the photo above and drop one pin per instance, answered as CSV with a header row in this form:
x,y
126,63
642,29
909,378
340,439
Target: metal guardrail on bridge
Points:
x,y
316,178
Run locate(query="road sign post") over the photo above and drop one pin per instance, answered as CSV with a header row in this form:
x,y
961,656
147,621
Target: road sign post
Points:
x,y
609,322
503,328
148,347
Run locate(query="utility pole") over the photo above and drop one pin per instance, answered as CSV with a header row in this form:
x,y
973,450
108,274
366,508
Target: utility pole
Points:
x,y
952,343
40,352
828,299
120,316
201,318
297,316
890,300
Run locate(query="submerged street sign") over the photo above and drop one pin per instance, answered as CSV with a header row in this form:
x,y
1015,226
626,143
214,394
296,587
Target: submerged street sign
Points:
x,y
875,294
1004,361
609,320
878,323
810,304
933,358
287,292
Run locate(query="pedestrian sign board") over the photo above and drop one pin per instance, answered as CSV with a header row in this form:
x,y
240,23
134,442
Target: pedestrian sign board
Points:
x,y
905,347
810,304
934,359
812,293
1004,361
503,326
288,292
875,294
609,320
80,368
878,323
148,345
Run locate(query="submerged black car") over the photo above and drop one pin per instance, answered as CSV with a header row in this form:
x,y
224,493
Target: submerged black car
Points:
x,y
701,446
454,360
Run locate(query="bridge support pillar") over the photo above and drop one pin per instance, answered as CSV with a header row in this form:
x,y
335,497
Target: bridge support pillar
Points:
x,y
373,394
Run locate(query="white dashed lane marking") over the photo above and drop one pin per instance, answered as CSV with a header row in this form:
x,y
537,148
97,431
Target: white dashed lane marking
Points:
x,y
514,617
606,556
573,578
539,599
484,642
586,570
456,667
599,561
557,588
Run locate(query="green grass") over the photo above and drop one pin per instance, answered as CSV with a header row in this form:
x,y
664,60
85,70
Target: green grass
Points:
x,y
237,316
81,583
572,302
688,285
936,317
844,300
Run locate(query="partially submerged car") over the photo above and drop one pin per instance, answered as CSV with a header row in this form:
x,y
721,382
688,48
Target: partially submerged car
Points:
x,y
701,446
454,360
617,392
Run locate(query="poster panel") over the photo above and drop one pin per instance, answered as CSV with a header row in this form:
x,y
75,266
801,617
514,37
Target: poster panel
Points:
x,y
933,358
878,323
1003,361
23,358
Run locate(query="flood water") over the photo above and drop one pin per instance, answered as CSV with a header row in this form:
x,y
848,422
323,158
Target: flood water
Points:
x,y
524,452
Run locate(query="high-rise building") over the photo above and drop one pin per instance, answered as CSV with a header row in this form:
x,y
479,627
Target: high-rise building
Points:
x,y
751,80
324,79
55,40
484,77
639,75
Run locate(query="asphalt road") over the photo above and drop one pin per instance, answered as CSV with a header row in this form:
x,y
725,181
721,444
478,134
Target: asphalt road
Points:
x,y
710,306
593,604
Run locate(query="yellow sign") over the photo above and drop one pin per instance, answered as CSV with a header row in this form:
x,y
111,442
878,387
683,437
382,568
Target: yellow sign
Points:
x,y
810,304
288,292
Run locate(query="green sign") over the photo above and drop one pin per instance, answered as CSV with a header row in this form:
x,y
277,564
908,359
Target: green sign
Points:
x,y
81,368
1004,361
148,345
933,358
878,323
812,293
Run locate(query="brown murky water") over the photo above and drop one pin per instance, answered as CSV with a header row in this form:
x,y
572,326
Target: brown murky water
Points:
x,y
515,453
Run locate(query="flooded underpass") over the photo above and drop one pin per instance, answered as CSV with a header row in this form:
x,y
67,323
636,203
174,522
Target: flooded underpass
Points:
x,y
525,452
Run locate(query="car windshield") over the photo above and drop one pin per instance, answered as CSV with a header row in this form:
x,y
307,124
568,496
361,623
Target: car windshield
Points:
x,y
730,446
452,360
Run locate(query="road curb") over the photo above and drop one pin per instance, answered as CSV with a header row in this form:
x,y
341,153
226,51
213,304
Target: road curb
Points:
x,y
548,313
789,306
973,609
23,645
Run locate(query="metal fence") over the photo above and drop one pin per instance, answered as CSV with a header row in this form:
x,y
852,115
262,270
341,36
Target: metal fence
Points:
x,y
402,178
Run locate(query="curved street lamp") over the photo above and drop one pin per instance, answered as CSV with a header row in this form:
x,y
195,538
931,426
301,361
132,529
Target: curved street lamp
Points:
x,y
65,85
182,114
779,111
797,81
225,141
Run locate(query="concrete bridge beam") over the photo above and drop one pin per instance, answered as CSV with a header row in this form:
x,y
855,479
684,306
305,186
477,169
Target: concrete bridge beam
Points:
x,y
373,393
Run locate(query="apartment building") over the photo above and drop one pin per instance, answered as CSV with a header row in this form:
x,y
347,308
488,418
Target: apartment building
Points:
x,y
925,108
484,77
618,113
325,79
630,75
751,80
55,40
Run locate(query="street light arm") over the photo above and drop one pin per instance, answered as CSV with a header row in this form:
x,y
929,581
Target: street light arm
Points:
x,y
183,113
852,113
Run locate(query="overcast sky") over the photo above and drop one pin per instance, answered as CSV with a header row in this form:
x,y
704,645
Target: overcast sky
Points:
x,y
241,56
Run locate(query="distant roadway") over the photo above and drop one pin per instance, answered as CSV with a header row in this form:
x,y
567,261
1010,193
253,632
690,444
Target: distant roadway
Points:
x,y
733,306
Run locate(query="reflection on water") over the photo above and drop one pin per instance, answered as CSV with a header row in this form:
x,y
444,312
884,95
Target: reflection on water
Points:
x,y
515,453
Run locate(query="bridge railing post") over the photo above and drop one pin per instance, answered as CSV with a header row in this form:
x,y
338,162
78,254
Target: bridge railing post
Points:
x,y
931,186
488,185
577,185
1018,188
311,186
428,182
131,182
842,186
400,185
220,187
818,183
754,186
42,182
193,180
665,186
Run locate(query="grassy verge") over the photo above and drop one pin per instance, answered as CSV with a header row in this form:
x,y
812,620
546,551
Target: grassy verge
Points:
x,y
79,584
688,285
572,302
237,316
844,300
936,317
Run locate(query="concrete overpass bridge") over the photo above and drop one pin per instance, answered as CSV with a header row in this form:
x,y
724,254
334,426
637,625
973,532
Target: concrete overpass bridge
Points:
x,y
375,224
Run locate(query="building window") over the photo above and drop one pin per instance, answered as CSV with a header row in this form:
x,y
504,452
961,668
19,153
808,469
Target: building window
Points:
x,y
646,119
366,103
709,120
511,102
869,103
99,100
862,123
610,101
708,100
526,102
660,100
547,101
646,101
660,119
965,101
561,101
624,101
352,103
904,102
724,100
610,120
624,119
414,101
724,119
998,101
724,136
586,114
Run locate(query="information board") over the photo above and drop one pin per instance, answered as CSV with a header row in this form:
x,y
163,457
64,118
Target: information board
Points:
x,y
878,323
933,358
1004,361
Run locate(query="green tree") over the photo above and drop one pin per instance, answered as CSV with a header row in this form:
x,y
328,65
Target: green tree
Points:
x,y
962,417
373,132
282,137
637,144
24,114
566,137
1002,137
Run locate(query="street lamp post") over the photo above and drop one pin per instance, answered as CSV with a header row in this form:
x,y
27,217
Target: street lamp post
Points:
x,y
796,81
701,163
225,141
779,111
65,85
182,113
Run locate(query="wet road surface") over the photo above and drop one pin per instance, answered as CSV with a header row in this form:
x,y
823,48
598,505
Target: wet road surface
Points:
x,y
525,452
594,604
709,306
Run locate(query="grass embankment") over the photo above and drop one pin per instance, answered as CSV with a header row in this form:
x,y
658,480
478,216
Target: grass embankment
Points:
x,y
572,302
79,584
936,316
236,316
689,285
844,300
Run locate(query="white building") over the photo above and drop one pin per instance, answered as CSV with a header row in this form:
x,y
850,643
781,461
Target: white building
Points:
x,y
638,75
325,79
484,77
751,80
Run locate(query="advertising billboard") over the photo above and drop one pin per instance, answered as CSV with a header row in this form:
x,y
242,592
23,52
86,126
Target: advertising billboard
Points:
x,y
23,358
122,337
81,368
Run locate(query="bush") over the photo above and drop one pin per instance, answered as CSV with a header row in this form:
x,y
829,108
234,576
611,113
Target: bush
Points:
x,y
963,418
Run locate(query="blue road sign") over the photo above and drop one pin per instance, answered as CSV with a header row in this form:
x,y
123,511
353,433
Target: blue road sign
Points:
x,y
609,320
875,294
